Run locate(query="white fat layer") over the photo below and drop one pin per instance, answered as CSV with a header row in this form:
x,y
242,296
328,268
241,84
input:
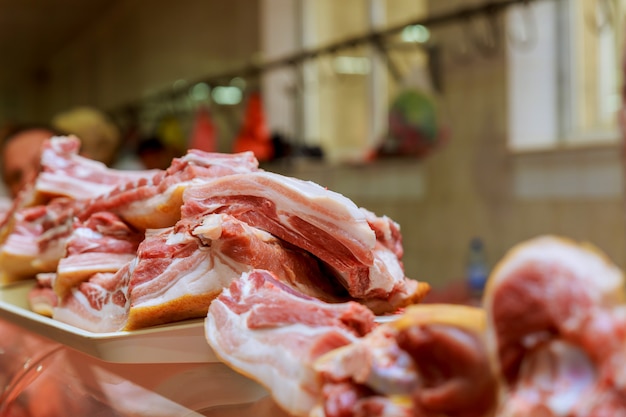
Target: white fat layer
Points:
x,y
146,207
87,233
345,216
386,272
209,276
94,262
210,228
110,318
176,238
20,245
72,187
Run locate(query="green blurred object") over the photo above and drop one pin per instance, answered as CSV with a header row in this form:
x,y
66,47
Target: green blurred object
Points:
x,y
414,125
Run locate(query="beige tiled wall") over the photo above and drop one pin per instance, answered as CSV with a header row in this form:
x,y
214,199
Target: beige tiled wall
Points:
x,y
474,186
470,187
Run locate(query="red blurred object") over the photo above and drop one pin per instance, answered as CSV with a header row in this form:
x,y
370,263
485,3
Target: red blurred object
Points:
x,y
454,292
203,135
254,135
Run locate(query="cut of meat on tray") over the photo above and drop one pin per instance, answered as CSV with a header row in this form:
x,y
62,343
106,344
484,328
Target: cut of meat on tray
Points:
x,y
67,174
64,173
558,324
327,224
37,239
322,222
181,270
41,298
156,204
387,232
273,334
32,234
33,238
103,243
99,304
432,360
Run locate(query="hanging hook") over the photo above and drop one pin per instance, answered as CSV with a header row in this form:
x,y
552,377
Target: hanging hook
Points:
x,y
460,53
528,38
488,41
601,19
392,67
327,69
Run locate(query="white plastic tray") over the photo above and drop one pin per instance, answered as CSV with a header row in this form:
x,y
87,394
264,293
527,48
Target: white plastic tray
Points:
x,y
182,342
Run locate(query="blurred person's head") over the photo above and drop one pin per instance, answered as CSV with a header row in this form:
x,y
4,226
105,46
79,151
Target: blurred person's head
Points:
x,y
99,136
21,155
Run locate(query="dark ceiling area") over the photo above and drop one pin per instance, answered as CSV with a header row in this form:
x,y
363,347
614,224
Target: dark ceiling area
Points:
x,y
32,31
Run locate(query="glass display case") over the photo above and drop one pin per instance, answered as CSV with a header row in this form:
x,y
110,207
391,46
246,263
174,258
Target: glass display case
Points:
x,y
51,369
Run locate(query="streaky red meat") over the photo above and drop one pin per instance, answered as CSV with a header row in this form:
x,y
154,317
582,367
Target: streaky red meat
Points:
x,y
181,269
103,243
33,233
156,203
270,332
99,304
144,199
320,221
36,241
65,173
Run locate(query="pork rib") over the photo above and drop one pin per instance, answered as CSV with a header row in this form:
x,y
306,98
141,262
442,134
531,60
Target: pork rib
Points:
x,y
273,334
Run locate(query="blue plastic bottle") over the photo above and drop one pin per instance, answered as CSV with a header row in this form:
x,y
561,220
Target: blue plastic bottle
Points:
x,y
477,270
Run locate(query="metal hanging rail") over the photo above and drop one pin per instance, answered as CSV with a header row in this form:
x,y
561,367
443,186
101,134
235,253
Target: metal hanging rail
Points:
x,y
489,9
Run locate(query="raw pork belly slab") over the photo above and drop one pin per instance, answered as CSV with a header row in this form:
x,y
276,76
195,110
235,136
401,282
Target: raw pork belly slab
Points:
x,y
33,238
65,173
322,222
155,204
41,298
34,231
104,243
36,240
99,304
558,325
180,270
273,334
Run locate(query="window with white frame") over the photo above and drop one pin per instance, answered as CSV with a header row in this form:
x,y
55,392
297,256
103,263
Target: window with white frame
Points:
x,y
564,73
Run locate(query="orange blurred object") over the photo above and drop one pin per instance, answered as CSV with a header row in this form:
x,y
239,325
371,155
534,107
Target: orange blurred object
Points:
x,y
254,135
203,136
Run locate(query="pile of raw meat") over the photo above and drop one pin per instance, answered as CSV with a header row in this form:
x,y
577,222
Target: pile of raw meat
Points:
x,y
549,341
295,284
121,250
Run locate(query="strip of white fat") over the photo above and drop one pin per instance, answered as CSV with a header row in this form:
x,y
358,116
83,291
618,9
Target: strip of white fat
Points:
x,y
323,208
210,275
286,371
